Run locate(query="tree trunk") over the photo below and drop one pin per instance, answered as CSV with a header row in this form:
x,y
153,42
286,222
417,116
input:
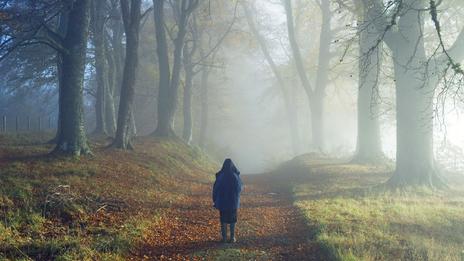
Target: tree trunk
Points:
x,y
290,111
118,54
187,106
115,57
322,78
414,104
133,127
169,87
414,89
315,97
414,155
62,27
72,139
316,106
165,119
101,68
175,76
189,52
204,111
111,90
131,17
369,146
296,53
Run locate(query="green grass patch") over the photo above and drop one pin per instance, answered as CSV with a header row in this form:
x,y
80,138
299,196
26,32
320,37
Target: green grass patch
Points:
x,y
355,221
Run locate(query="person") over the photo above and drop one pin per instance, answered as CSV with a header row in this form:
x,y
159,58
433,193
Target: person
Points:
x,y
226,197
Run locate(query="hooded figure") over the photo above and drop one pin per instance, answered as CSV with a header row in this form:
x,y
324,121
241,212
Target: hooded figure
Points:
x,y
226,197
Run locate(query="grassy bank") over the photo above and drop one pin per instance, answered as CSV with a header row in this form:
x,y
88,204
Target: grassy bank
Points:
x,y
96,207
356,222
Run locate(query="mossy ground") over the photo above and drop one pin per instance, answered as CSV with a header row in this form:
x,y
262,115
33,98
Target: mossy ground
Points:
x,y
96,207
356,220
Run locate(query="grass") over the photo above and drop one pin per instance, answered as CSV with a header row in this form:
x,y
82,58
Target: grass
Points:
x,y
26,138
355,221
230,254
93,208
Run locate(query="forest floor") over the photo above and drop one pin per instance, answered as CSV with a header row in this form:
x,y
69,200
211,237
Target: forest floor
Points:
x,y
154,203
269,227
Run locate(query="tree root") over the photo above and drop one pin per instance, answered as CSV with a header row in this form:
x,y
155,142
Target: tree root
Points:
x,y
433,180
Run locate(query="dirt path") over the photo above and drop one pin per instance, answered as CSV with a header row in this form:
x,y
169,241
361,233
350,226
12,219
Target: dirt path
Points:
x,y
269,228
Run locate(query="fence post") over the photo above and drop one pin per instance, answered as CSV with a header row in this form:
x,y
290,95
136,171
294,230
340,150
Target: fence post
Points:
x,y
28,123
4,123
17,123
40,123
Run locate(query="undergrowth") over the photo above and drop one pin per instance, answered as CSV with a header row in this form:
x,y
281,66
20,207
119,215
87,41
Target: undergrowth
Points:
x,y
93,208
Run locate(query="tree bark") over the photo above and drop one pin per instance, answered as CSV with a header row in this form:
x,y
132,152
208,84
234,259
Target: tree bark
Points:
x,y
187,103
322,78
111,90
61,30
101,68
414,106
115,56
131,17
165,119
204,111
369,146
316,109
414,96
296,53
169,82
72,139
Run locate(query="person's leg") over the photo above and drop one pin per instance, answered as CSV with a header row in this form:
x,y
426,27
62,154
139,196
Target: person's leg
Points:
x,y
224,231
232,232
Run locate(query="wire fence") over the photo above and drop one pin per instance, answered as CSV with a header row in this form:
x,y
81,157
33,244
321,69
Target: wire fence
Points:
x,y
27,123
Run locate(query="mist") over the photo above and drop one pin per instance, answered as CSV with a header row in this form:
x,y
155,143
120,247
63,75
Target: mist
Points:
x,y
231,130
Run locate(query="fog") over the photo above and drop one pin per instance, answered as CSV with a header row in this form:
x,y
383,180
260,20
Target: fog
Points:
x,y
255,85
155,129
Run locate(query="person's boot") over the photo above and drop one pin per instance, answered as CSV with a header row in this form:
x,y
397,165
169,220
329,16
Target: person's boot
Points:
x,y
224,232
232,233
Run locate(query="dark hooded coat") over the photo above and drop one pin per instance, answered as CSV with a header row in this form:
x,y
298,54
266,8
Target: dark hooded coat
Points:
x,y
227,187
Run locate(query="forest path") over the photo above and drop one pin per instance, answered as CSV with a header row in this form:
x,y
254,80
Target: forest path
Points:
x,y
269,227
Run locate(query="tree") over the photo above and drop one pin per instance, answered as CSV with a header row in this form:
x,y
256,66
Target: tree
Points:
x,y
402,31
131,16
115,59
101,67
204,99
32,22
190,49
315,95
169,81
72,139
291,114
204,38
369,146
